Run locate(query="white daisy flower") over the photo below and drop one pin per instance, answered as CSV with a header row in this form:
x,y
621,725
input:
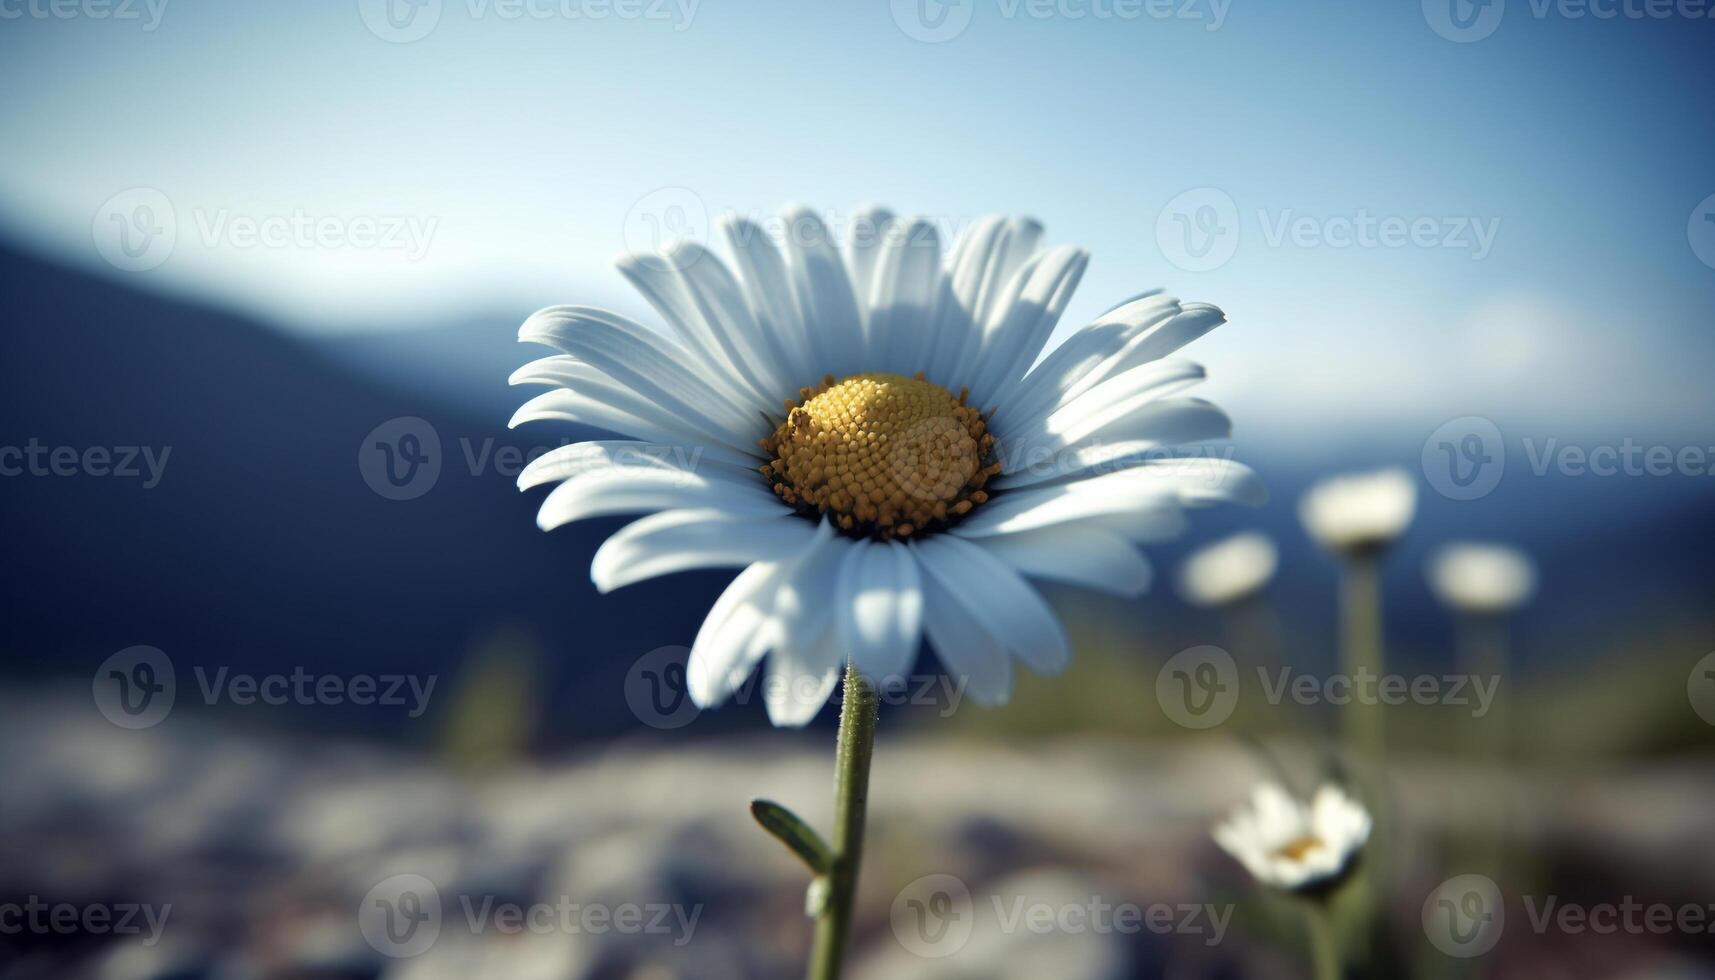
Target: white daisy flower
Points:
x,y
1482,579
1287,845
1229,570
862,431
1359,512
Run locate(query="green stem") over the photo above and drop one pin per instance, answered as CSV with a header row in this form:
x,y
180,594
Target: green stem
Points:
x,y
1361,650
1324,952
851,796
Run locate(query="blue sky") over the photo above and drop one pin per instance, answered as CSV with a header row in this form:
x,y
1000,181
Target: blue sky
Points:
x,y
1553,171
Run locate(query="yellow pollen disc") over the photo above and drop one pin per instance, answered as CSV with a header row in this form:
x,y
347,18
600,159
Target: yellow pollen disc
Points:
x,y
1296,849
882,454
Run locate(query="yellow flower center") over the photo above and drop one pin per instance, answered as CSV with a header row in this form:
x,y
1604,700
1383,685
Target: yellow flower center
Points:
x,y
883,455
1297,848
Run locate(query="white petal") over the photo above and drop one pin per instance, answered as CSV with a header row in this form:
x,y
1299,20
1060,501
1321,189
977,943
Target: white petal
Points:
x,y
1129,414
640,490
803,605
693,291
721,655
879,615
1080,554
1149,485
983,280
902,300
621,411
768,292
1136,333
678,540
1015,337
620,456
800,679
823,294
975,660
1015,614
647,363
864,243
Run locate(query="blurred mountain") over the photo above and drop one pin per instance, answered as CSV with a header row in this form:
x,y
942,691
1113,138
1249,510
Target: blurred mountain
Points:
x,y
262,546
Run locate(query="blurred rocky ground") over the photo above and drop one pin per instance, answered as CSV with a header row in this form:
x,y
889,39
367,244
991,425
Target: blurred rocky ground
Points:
x,y
263,855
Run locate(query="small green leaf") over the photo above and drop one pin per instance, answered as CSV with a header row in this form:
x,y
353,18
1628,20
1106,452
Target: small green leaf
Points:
x,y
794,833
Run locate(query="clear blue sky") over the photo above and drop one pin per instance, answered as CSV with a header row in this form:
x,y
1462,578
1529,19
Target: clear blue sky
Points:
x,y
519,138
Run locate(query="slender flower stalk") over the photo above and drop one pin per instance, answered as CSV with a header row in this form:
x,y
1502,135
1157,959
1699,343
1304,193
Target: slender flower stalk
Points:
x,y
1357,518
1360,656
1324,949
1482,585
851,799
